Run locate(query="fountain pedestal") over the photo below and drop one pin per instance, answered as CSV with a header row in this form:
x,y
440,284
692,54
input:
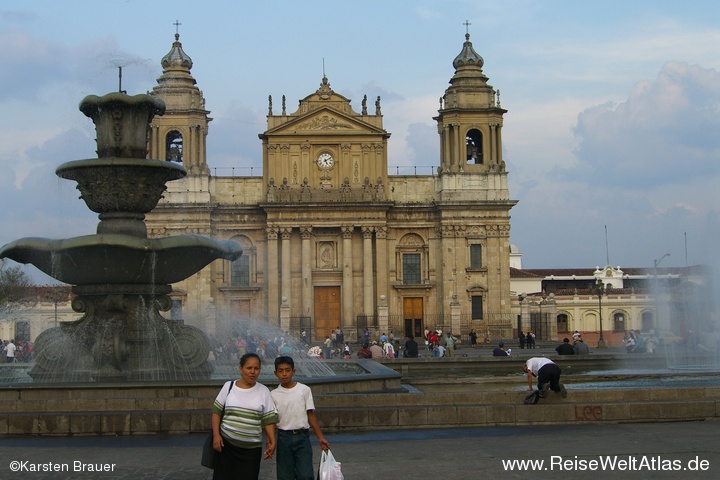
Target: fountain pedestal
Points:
x,y
121,337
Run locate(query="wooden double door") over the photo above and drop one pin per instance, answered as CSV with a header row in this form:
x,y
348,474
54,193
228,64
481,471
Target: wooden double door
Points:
x,y
413,316
328,311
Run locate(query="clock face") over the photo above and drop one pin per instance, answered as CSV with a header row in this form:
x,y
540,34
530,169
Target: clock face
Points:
x,y
325,160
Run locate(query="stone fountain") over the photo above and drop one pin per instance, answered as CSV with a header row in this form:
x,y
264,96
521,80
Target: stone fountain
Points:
x,y
121,278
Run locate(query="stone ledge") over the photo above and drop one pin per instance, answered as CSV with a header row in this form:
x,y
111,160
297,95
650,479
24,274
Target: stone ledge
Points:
x,y
338,413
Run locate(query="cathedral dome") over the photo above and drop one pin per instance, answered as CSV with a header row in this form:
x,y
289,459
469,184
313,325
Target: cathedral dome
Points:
x,y
176,57
468,56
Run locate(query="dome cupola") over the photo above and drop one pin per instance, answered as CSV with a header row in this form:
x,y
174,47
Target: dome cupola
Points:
x,y
177,56
468,56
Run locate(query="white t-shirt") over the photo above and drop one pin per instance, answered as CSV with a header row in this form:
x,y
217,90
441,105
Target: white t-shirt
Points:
x,y
536,363
292,406
10,350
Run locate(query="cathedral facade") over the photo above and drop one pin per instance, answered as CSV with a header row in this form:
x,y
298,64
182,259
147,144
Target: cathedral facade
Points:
x,y
330,238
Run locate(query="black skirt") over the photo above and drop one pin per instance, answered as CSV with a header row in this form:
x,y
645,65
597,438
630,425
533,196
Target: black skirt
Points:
x,y
235,463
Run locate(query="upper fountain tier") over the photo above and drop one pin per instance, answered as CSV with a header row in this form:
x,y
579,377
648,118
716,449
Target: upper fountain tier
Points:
x,y
122,122
121,185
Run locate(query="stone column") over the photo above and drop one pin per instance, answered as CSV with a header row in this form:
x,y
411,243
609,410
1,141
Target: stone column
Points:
x,y
272,276
188,152
155,151
284,315
499,143
455,315
285,286
368,300
307,281
383,317
381,282
347,284
448,271
445,146
460,147
493,144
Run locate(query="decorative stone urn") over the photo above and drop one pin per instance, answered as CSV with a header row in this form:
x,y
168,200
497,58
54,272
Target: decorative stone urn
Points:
x,y
120,277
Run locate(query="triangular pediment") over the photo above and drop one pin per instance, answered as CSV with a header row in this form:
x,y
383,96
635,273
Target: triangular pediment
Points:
x,y
326,120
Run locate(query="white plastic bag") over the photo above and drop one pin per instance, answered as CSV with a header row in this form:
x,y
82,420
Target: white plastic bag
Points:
x,y
329,467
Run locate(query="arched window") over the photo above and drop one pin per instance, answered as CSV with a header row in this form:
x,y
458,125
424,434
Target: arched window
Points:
x,y
619,322
474,145
242,270
412,257
562,322
174,147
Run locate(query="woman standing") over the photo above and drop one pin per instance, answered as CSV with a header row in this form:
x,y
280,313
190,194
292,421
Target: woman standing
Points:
x,y
238,430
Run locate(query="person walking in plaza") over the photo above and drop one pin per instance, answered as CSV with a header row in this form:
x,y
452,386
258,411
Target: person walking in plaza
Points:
x,y
296,416
10,351
547,373
242,411
473,339
521,337
327,347
450,341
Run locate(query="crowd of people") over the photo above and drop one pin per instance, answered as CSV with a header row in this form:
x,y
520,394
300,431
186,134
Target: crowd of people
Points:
x,y
16,351
636,342
231,349
527,340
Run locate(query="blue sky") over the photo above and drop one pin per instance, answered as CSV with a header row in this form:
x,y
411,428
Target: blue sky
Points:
x,y
613,107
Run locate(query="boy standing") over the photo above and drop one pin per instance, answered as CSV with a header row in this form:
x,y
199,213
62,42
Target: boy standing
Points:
x,y
296,412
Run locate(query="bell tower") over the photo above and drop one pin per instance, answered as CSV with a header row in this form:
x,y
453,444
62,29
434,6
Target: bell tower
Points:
x,y
470,123
179,135
472,191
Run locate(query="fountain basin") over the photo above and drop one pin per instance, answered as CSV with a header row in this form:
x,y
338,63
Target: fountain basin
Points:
x,y
121,184
120,259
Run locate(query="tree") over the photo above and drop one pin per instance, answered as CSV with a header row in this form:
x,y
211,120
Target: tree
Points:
x,y
15,289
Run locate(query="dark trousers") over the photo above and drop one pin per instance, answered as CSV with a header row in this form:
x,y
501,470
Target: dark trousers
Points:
x,y
294,455
549,373
236,463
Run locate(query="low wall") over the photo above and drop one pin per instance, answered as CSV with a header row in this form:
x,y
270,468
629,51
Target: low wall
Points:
x,y
392,411
173,410
489,365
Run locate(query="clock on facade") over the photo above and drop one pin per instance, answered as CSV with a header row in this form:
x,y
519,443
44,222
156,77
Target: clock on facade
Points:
x,y
325,160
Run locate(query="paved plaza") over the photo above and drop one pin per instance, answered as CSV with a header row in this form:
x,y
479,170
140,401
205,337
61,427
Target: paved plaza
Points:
x,y
638,450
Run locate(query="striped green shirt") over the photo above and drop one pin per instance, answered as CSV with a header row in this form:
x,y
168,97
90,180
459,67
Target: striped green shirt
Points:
x,y
247,411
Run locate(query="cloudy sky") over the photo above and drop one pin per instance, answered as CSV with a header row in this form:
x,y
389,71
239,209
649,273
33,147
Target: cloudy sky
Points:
x,y
613,120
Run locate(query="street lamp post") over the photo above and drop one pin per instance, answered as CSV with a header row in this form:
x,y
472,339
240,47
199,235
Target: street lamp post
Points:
x,y
656,293
521,298
55,296
599,289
